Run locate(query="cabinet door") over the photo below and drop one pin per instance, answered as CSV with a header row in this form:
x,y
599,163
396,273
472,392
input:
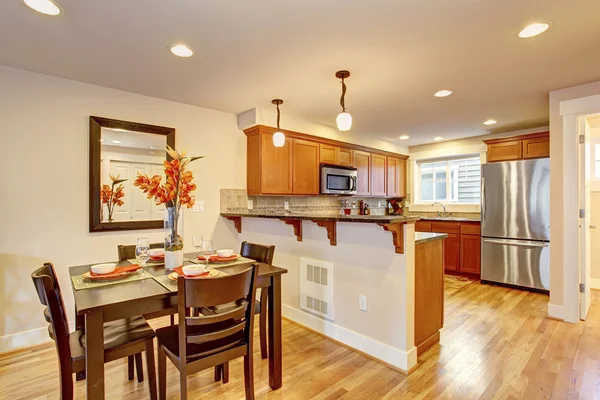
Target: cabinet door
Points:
x,y
536,148
362,162
452,252
423,226
505,151
275,166
328,154
378,174
393,180
345,157
470,254
305,167
402,178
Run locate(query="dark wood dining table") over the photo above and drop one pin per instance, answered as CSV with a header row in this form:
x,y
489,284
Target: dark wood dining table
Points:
x,y
95,306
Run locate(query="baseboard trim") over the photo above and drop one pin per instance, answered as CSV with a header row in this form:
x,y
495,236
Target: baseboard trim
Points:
x,y
595,283
26,339
399,360
556,312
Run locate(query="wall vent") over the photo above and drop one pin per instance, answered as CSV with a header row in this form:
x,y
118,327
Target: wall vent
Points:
x,y
316,287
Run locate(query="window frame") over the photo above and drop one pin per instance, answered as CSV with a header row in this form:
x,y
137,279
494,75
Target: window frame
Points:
x,y
449,181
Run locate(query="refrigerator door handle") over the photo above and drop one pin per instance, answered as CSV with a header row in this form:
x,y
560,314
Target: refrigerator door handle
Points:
x,y
482,201
516,243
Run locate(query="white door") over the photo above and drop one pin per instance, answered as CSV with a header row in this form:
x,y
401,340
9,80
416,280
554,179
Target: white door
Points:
x,y
123,171
584,156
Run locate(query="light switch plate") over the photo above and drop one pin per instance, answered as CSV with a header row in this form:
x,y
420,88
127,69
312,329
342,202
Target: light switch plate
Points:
x,y
362,302
250,204
198,206
286,205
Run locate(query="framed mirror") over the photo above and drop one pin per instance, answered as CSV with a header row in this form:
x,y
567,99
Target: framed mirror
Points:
x,y
118,151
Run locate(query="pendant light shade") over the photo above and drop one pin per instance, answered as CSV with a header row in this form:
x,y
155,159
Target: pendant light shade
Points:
x,y
278,137
344,119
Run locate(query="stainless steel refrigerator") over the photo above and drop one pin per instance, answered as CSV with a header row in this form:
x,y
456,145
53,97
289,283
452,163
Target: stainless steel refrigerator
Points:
x,y
515,223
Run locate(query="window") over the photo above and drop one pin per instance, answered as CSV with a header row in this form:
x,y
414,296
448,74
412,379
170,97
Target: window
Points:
x,y
456,180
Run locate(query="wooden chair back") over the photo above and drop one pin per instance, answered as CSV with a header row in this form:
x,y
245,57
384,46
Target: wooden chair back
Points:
x,y
237,290
127,251
49,293
258,252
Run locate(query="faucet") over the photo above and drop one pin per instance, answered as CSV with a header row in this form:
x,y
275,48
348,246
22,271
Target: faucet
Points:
x,y
444,214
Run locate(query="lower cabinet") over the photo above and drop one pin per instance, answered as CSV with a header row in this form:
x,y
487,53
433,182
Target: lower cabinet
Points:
x,y
462,250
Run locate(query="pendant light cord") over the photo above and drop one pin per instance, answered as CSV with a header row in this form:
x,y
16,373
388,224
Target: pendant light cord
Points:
x,y
342,101
278,117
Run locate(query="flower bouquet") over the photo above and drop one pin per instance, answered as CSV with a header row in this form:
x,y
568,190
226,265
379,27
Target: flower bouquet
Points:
x,y
112,196
174,194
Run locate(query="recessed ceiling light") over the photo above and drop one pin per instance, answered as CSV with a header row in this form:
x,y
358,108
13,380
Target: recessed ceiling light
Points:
x,y
181,50
443,93
101,140
534,30
117,142
437,138
47,7
490,122
119,130
154,147
404,137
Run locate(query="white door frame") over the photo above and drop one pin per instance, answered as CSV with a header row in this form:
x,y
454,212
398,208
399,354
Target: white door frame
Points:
x,y
570,110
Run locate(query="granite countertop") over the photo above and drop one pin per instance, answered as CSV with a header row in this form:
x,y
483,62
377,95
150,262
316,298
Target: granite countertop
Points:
x,y
378,219
422,237
451,219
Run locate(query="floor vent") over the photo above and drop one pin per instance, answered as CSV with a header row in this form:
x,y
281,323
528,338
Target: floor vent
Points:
x,y
316,287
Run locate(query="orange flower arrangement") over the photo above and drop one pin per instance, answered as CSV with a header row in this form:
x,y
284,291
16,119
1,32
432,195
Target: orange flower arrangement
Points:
x,y
174,193
113,197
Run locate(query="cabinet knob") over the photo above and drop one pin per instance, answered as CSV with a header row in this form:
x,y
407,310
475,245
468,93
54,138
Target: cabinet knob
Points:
x,y
592,226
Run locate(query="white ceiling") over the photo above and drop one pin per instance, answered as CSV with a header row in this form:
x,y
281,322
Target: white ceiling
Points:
x,y
136,140
399,53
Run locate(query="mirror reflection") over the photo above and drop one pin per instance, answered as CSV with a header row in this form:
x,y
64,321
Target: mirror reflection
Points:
x,y
123,155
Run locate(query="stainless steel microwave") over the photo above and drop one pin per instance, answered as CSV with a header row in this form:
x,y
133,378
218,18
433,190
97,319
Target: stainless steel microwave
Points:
x,y
338,180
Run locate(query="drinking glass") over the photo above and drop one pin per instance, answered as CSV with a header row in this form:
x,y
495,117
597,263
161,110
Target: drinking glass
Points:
x,y
142,251
197,243
207,249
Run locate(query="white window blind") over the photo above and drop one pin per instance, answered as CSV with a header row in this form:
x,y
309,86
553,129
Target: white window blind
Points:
x,y
456,180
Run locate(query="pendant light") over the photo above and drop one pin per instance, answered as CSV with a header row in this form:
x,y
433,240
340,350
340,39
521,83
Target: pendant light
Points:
x,y
344,119
278,137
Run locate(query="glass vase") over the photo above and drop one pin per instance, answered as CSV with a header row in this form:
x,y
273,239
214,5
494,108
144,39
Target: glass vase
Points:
x,y
173,237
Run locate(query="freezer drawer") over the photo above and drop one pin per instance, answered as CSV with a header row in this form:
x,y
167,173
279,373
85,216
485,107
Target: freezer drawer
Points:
x,y
517,262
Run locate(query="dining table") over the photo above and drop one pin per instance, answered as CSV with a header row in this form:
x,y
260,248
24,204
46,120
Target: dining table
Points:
x,y
152,297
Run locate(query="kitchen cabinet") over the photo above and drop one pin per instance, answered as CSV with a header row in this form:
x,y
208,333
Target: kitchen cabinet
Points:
x,y
305,167
522,147
396,177
362,162
345,157
462,249
378,175
294,169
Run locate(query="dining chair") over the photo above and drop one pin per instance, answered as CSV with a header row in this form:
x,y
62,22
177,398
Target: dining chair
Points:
x,y
204,341
264,254
121,338
127,252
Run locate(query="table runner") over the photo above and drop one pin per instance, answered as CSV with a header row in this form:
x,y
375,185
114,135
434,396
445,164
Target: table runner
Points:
x,y
171,285
79,283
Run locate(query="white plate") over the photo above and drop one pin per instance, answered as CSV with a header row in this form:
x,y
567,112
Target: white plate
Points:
x,y
102,269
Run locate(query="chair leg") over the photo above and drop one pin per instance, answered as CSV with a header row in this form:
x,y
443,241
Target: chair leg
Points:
x,y
172,319
225,372
183,385
249,376
218,369
139,367
162,373
263,323
66,384
130,367
150,368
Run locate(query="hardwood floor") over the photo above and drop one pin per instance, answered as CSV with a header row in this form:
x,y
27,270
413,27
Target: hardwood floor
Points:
x,y
497,343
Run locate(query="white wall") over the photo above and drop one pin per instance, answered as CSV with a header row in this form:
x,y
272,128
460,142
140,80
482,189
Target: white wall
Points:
x,y
452,148
44,207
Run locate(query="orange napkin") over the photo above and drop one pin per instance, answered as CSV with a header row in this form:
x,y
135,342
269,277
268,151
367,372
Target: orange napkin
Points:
x,y
120,270
179,271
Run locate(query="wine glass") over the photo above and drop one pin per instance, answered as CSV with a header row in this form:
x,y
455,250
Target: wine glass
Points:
x,y
197,243
142,251
207,249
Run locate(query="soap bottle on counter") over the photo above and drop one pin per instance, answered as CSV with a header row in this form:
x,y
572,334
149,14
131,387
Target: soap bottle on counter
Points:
x,y
367,210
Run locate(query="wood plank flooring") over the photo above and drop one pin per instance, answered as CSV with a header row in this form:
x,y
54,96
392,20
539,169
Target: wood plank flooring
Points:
x,y
497,344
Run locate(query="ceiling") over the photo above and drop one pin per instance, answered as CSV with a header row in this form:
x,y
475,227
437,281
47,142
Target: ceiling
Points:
x,y
399,52
136,140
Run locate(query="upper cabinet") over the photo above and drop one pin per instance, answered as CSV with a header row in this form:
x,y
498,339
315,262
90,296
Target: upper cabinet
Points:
x,y
523,147
294,169
305,167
